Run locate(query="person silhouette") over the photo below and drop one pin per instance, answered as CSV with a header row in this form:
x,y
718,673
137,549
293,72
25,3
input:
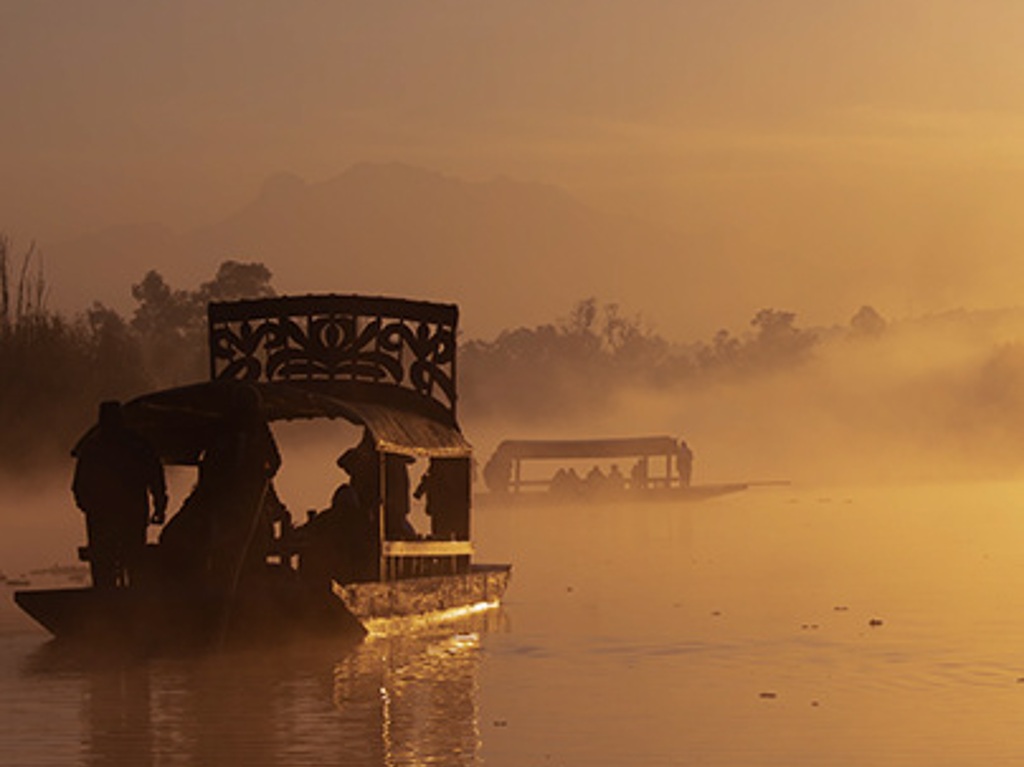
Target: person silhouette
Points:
x,y
615,481
116,474
684,462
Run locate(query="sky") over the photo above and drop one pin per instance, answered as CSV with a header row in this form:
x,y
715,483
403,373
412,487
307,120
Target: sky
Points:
x,y
804,135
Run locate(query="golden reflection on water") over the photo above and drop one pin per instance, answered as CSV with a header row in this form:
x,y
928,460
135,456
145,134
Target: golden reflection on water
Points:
x,y
784,626
408,698
792,626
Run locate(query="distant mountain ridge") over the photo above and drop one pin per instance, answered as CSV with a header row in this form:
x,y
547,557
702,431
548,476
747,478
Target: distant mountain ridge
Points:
x,y
508,252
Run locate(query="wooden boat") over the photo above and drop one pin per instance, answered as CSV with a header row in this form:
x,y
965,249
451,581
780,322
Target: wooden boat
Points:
x,y
659,470
385,364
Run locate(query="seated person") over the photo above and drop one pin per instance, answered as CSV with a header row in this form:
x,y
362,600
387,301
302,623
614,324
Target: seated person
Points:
x,y
616,481
338,543
595,481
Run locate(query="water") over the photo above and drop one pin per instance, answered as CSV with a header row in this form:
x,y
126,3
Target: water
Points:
x,y
782,626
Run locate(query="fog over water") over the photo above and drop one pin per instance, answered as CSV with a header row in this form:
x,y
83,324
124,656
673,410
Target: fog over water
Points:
x,y
927,401
849,617
792,625
690,163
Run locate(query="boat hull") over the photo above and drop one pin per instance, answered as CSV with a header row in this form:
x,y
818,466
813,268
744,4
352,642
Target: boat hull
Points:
x,y
149,619
688,494
482,584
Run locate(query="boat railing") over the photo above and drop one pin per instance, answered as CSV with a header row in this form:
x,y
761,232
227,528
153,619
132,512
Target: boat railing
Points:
x,y
356,342
404,559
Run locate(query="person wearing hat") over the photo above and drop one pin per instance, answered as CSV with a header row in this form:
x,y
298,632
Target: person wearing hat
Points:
x,y
362,463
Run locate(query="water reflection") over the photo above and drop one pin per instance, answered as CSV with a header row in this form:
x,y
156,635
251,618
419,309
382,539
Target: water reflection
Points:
x,y
117,715
403,698
739,632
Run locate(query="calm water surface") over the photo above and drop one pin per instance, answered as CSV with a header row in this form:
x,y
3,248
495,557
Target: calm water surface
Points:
x,y
782,626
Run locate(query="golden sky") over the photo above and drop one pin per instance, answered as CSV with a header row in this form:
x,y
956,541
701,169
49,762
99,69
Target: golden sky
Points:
x,y
843,136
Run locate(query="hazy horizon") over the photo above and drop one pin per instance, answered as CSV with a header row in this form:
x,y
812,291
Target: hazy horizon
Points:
x,y
812,146
798,222
692,162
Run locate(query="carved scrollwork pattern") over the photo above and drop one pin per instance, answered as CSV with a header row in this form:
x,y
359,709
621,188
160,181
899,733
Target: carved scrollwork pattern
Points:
x,y
331,340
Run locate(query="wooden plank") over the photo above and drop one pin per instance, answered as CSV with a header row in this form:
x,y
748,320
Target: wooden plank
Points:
x,y
427,548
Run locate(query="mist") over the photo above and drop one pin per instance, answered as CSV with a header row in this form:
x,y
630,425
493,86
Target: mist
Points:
x,y
692,162
933,399
801,155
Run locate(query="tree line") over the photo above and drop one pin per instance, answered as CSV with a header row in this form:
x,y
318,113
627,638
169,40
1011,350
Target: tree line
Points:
x,y
578,363
54,369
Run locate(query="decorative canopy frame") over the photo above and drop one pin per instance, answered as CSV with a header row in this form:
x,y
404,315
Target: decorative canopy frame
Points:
x,y
362,347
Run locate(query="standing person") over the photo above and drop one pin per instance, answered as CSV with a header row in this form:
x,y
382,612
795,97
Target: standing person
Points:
x,y
684,462
226,524
638,475
447,485
116,474
397,526
239,466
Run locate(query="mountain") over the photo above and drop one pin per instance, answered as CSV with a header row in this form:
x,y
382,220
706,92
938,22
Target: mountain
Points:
x,y
510,253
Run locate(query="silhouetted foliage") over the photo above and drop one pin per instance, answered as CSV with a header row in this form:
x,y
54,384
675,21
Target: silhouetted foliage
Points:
x,y
580,363
868,322
168,324
29,290
171,324
54,371
555,368
235,281
996,391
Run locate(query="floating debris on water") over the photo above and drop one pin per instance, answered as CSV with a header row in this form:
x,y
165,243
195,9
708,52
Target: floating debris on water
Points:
x,y
875,622
768,695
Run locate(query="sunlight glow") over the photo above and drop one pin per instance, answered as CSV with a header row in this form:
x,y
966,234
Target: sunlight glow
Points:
x,y
382,627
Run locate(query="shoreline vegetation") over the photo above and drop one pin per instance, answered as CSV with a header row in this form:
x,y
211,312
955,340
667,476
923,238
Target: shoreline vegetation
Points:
x,y
957,376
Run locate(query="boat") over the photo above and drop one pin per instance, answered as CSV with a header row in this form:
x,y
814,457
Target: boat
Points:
x,y
387,365
659,469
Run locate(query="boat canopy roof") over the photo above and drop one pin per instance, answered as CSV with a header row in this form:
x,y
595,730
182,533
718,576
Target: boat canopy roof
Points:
x,y
180,422
387,364
585,448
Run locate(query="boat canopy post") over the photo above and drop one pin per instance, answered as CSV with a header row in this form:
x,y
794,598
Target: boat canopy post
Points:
x,y
382,504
